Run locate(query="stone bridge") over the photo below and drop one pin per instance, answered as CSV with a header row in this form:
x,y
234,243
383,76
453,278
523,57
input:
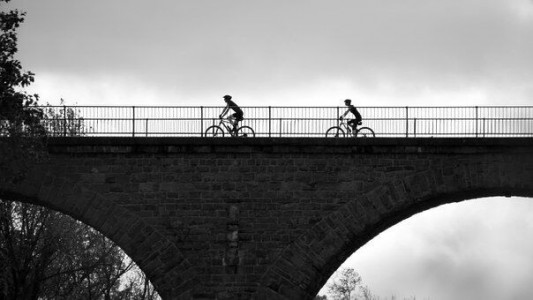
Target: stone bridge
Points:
x,y
261,218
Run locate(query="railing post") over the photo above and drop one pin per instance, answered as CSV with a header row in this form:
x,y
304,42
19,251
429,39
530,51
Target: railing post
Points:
x,y
64,120
484,129
201,121
477,121
414,129
407,121
338,115
280,127
146,126
269,121
133,121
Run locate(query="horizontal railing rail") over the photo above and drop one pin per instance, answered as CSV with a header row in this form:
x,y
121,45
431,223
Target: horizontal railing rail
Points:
x,y
271,121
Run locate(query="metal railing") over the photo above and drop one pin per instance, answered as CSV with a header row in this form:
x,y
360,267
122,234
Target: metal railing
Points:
x,y
270,121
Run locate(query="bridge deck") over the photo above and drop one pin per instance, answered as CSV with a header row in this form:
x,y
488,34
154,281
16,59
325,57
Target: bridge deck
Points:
x,y
316,145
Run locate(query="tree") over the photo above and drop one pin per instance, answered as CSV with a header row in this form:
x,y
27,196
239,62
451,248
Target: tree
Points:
x,y
344,283
47,255
139,287
17,108
64,121
366,294
20,118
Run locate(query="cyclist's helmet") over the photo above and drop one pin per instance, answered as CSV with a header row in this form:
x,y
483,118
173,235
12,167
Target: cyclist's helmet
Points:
x,y
227,97
347,101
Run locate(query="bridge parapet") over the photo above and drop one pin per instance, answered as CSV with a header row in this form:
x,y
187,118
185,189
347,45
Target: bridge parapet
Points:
x,y
271,121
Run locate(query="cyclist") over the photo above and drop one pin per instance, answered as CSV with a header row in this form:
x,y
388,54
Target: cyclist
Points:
x,y
235,117
351,109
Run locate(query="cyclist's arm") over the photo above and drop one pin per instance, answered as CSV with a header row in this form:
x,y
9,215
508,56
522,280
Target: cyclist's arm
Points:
x,y
224,111
344,115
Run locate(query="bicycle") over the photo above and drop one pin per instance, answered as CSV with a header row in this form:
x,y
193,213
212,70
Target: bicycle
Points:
x,y
343,128
217,131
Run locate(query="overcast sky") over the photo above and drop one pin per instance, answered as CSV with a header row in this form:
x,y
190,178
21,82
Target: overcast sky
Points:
x,y
278,52
316,52
477,249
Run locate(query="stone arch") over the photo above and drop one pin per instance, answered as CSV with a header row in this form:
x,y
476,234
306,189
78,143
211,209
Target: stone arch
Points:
x,y
305,265
161,261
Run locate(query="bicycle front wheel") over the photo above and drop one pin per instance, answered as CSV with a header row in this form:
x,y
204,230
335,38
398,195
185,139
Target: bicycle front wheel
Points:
x,y
334,132
365,132
214,131
245,131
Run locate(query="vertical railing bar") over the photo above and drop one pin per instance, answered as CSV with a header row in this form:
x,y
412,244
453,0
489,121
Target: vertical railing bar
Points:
x,y
269,121
280,127
483,127
414,129
201,121
477,116
338,116
133,122
406,121
64,120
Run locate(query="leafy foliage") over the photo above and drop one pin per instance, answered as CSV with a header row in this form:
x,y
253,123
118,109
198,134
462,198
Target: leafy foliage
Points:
x,y
21,131
366,294
347,284
344,284
139,287
64,121
48,255
18,112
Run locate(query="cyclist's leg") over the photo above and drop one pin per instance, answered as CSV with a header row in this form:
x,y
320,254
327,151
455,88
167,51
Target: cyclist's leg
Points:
x,y
352,124
358,121
238,118
233,120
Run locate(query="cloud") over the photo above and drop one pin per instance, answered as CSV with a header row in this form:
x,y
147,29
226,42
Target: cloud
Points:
x,y
477,249
408,52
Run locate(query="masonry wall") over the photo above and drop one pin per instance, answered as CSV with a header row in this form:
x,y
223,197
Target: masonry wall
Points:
x,y
262,218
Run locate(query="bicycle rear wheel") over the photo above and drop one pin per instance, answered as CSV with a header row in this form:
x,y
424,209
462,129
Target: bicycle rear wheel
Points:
x,y
365,132
214,131
334,132
245,131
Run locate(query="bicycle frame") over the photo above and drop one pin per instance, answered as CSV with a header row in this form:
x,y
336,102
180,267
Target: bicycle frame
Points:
x,y
230,129
349,130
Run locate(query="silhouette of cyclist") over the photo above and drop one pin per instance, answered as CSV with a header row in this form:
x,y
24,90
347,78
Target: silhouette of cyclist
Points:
x,y
351,109
235,117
